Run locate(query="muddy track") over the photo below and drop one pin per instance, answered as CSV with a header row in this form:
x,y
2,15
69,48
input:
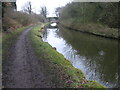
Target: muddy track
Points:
x,y
22,68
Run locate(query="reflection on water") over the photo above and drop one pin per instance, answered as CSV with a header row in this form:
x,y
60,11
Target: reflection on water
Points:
x,y
97,57
53,24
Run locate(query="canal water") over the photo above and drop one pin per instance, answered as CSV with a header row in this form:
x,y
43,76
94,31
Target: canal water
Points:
x,y
96,56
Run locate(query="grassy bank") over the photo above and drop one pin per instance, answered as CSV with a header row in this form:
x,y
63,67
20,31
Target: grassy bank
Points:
x,y
57,69
91,28
98,18
9,39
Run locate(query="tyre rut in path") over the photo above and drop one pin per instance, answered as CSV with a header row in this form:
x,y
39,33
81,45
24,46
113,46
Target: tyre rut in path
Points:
x,y
22,69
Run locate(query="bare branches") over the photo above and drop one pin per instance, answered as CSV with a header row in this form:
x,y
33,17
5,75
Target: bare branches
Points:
x,y
44,11
57,11
28,7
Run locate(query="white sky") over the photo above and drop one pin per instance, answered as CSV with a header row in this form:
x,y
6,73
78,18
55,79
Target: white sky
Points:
x,y
36,4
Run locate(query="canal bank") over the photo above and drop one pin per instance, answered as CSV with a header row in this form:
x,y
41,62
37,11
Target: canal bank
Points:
x,y
97,57
92,28
58,70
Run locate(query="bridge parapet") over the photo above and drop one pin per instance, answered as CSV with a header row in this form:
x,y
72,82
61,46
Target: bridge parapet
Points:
x,y
52,19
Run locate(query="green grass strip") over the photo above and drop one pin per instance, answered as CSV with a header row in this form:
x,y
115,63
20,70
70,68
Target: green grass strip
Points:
x,y
57,69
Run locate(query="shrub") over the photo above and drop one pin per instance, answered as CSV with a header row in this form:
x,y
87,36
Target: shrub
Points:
x,y
14,19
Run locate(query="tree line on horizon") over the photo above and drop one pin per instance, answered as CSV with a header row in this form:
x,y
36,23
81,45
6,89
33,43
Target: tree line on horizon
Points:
x,y
105,13
13,19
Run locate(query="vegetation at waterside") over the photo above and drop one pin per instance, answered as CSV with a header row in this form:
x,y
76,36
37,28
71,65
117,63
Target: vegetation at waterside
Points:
x,y
92,17
57,69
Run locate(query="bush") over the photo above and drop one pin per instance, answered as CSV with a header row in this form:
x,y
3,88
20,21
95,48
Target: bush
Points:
x,y
104,13
14,19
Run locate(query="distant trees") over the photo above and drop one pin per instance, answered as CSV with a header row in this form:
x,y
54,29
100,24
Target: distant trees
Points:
x,y
43,11
57,11
28,7
105,13
13,19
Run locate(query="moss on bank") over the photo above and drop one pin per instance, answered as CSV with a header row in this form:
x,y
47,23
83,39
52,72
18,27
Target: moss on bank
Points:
x,y
57,69
91,28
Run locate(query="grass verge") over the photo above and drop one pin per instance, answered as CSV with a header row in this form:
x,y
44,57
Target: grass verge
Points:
x,y
57,69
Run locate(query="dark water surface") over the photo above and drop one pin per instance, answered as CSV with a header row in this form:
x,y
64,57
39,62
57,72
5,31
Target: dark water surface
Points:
x,y
97,57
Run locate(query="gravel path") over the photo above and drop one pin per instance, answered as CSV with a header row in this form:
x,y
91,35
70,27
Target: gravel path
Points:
x,y
22,69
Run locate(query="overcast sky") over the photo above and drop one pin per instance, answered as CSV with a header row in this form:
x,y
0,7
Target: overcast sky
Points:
x,y
36,4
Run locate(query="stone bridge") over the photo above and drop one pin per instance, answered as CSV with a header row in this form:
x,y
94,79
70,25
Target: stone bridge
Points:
x,y
52,19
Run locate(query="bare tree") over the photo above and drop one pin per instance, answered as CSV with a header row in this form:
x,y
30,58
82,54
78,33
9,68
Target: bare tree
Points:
x,y
44,11
28,7
57,11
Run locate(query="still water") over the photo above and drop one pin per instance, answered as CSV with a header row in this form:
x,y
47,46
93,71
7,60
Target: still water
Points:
x,y
96,56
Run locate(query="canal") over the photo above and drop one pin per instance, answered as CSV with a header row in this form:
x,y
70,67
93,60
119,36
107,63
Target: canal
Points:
x,y
97,57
